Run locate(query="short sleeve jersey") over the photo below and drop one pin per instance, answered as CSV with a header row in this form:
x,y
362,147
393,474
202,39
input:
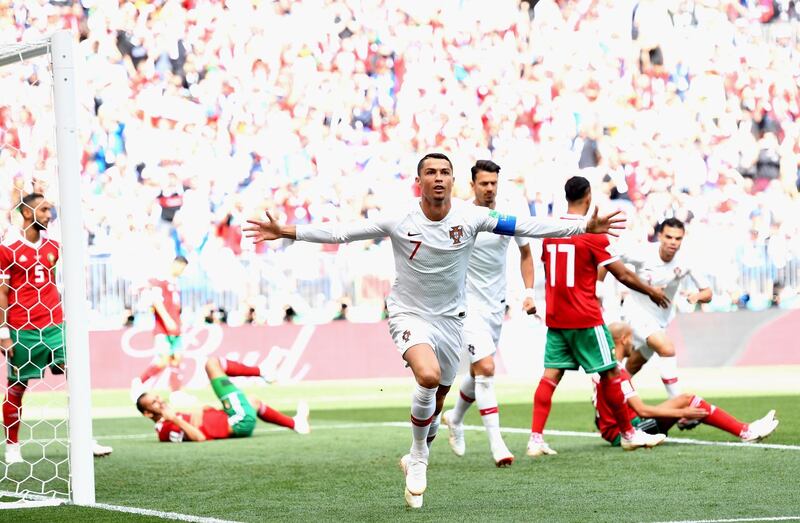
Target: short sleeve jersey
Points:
x,y
668,275
214,426
570,269
29,271
167,292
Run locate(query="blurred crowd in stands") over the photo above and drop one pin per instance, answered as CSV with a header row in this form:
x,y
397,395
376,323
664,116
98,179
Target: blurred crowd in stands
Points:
x,y
198,115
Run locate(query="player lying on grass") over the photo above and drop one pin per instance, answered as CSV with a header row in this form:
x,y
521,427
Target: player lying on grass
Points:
x,y
660,418
236,419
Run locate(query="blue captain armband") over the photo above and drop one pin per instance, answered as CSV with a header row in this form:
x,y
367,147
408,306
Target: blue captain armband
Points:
x,y
506,223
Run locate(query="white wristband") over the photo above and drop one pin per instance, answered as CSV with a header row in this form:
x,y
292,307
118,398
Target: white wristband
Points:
x,y
528,293
5,333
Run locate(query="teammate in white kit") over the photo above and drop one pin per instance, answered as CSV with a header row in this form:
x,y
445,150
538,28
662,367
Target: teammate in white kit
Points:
x,y
486,303
661,265
432,240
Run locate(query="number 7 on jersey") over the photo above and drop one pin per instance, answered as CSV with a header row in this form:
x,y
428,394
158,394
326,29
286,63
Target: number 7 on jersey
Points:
x,y
552,255
416,248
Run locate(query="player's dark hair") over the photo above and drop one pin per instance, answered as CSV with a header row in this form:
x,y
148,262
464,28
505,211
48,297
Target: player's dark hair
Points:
x,y
181,259
29,200
436,156
576,188
672,222
484,165
139,402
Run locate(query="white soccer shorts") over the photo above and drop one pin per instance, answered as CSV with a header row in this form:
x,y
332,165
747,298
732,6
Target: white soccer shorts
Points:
x,y
443,334
643,325
482,333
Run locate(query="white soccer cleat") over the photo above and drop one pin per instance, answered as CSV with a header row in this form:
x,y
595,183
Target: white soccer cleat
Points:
x,y
13,454
101,451
456,434
760,428
502,456
413,501
642,439
538,448
300,418
416,471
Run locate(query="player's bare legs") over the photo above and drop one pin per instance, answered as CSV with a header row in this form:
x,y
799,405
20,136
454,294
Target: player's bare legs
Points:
x,y
424,405
635,362
667,365
542,402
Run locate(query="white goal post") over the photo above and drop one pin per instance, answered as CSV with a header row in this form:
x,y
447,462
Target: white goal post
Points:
x,y
60,48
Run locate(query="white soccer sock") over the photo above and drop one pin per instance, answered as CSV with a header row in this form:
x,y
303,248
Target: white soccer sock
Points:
x,y
433,429
487,404
669,375
465,399
423,404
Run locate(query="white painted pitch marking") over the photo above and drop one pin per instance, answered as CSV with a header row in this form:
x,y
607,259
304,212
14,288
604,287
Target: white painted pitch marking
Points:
x,y
509,430
158,513
738,520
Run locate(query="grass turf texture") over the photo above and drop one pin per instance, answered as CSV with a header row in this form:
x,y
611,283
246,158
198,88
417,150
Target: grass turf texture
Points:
x,y
351,473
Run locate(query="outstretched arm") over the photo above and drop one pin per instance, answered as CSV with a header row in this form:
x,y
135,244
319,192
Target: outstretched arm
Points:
x,y
627,278
534,227
261,231
329,232
674,408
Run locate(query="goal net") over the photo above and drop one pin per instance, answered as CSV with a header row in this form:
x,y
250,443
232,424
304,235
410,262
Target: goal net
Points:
x,y
47,454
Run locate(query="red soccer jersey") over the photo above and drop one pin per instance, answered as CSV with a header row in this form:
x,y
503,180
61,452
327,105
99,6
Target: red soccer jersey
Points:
x,y
167,292
604,417
570,269
29,270
214,426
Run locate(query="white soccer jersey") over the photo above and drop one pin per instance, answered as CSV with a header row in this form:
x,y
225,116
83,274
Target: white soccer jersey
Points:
x,y
667,275
486,273
431,257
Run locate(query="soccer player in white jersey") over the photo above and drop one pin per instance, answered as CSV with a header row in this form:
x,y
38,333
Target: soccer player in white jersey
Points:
x,y
432,239
661,265
486,303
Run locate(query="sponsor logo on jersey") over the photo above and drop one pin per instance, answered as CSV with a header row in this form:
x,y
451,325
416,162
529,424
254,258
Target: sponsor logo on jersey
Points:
x,y
471,349
677,271
23,258
51,258
456,233
414,233
406,335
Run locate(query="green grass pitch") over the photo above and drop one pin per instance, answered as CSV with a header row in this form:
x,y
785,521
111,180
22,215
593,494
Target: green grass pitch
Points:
x,y
350,473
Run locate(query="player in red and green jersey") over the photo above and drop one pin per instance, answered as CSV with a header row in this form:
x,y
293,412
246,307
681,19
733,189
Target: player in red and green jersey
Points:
x,y
31,317
661,417
576,333
165,297
236,419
